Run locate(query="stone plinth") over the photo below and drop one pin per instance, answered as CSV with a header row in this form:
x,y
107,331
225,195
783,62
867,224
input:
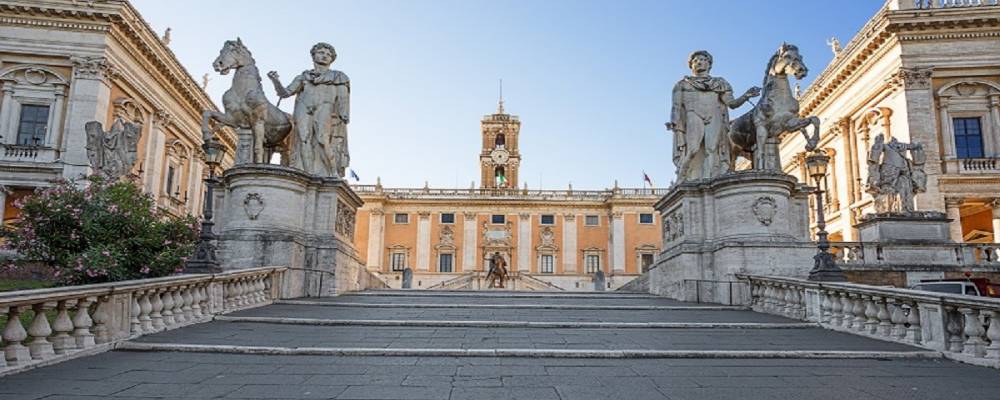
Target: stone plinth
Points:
x,y
909,228
269,215
742,223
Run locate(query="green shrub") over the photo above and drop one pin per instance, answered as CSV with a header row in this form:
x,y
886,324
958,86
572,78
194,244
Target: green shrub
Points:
x,y
103,231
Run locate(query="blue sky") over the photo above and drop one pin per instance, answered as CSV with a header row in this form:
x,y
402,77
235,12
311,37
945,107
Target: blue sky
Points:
x,y
589,79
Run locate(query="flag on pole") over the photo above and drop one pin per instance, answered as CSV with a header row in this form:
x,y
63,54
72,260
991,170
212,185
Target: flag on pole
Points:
x,y
355,176
646,179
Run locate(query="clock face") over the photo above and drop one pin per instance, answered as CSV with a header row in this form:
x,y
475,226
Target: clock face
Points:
x,y
500,156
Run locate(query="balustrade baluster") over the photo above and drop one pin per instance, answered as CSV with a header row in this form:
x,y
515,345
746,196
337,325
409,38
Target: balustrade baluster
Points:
x,y
898,320
261,290
975,345
39,330
913,332
836,309
956,340
871,314
155,313
848,307
767,298
135,325
62,325
188,300
101,318
13,337
229,296
824,307
145,309
82,323
859,313
196,300
993,334
179,317
882,314
168,308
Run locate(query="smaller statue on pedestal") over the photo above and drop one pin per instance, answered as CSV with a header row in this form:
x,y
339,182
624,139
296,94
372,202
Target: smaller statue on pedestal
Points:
x,y
893,178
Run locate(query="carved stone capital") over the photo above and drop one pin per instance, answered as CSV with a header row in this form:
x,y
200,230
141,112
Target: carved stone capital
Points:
x,y
162,118
469,215
524,216
617,215
378,212
915,78
995,205
953,202
569,217
94,68
424,214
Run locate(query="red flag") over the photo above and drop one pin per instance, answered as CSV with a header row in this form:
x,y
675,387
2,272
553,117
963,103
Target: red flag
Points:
x,y
646,178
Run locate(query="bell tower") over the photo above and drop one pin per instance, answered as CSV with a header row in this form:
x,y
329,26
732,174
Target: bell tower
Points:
x,y
500,158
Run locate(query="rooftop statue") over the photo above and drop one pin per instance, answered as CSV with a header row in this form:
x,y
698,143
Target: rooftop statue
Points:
x,y
246,107
113,153
894,179
756,134
699,118
322,112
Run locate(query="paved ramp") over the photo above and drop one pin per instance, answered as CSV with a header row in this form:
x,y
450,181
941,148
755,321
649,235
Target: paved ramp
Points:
x,y
496,345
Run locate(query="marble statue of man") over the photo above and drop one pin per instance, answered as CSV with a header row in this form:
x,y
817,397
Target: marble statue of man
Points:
x,y
699,119
893,179
322,112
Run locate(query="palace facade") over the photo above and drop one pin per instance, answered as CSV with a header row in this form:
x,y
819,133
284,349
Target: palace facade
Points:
x,y
923,72
549,238
66,62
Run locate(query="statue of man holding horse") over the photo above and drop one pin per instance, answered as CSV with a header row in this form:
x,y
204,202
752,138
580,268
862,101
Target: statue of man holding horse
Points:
x,y
699,119
322,112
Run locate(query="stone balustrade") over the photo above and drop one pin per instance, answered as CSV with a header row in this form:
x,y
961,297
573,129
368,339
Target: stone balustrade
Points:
x,y
944,254
964,328
74,321
601,195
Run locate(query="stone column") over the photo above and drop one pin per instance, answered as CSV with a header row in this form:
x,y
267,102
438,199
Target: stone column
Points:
x,y
618,242
920,121
524,235
6,119
155,153
470,235
54,136
89,99
423,241
996,220
995,122
953,208
376,238
947,129
569,243
3,203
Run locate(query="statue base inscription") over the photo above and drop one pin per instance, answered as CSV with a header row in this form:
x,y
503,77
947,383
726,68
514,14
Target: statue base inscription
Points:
x,y
907,228
271,215
751,222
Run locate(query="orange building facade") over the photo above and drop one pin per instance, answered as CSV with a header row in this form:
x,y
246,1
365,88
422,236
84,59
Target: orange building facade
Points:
x,y
550,239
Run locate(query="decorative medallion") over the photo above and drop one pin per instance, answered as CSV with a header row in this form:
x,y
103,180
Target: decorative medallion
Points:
x,y
253,204
764,209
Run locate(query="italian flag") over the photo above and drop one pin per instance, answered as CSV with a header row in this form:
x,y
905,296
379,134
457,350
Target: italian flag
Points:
x,y
501,180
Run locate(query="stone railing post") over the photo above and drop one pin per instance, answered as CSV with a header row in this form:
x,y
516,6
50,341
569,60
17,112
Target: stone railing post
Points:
x,y
975,344
62,325
39,330
13,338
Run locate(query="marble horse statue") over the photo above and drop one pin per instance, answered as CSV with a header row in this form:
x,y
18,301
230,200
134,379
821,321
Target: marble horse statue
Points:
x,y
756,134
246,106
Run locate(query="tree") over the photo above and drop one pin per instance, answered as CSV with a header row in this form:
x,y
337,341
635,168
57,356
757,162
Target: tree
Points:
x,y
104,231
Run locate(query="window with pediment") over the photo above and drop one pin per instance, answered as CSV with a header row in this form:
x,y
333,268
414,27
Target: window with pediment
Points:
x,y
969,113
31,111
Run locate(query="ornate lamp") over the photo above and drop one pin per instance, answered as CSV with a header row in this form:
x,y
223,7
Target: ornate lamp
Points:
x,y
204,260
825,268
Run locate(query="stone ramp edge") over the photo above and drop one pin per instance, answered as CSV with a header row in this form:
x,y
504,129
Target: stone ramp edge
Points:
x,y
524,353
518,324
507,306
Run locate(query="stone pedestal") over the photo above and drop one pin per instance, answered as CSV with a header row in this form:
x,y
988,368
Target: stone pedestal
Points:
x,y
741,223
908,228
269,215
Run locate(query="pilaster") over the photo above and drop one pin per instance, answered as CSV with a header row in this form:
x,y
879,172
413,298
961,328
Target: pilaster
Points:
x,y
524,235
569,243
423,241
953,210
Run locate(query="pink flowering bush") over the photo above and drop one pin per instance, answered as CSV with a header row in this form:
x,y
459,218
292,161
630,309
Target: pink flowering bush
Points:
x,y
105,232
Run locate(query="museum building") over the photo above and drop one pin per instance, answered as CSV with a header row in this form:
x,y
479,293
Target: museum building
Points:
x,y
64,63
549,238
919,72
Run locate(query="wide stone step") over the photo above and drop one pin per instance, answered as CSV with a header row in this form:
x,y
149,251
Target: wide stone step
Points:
x,y
507,306
383,337
148,375
500,294
505,314
565,300
514,324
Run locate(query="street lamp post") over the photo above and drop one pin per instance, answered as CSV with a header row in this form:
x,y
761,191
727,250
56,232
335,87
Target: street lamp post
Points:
x,y
204,260
825,268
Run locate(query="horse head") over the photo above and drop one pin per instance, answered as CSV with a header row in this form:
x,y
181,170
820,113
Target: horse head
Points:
x,y
233,55
788,61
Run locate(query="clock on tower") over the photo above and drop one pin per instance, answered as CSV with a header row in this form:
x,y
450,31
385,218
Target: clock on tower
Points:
x,y
499,159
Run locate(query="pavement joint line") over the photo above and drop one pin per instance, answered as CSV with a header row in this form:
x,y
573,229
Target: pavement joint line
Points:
x,y
526,353
518,324
508,295
510,306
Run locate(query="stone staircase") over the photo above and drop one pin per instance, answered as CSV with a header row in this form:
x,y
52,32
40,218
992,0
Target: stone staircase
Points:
x,y
397,344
